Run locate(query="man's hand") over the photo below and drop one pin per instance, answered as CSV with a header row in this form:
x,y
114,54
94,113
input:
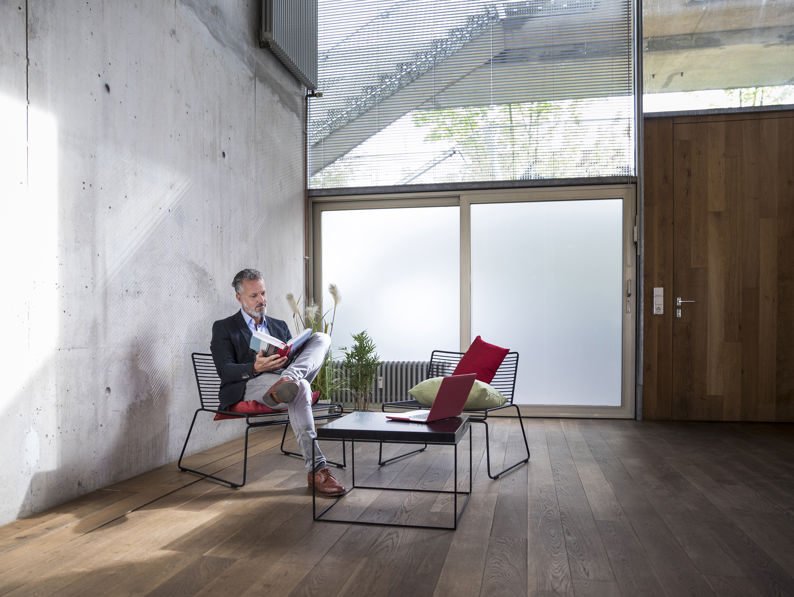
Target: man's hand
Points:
x,y
270,363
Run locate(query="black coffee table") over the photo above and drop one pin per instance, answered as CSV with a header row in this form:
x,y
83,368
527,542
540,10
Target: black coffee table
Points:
x,y
375,427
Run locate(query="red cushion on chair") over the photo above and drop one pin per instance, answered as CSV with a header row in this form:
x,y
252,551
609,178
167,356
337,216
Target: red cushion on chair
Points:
x,y
252,407
483,359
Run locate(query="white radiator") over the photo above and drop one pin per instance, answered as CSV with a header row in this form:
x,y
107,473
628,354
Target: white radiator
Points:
x,y
394,380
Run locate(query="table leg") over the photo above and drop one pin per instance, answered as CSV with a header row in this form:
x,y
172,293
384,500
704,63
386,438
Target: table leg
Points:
x,y
314,491
353,461
455,495
456,490
471,472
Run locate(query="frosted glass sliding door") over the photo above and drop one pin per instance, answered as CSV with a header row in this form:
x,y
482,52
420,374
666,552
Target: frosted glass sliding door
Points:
x,y
547,281
398,271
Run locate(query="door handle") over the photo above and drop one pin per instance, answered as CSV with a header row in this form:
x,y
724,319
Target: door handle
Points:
x,y
679,301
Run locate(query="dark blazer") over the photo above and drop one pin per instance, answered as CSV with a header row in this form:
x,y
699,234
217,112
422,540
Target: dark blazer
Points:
x,y
234,360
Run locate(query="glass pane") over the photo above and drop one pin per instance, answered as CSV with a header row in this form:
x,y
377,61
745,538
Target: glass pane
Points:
x,y
547,282
399,277
687,47
439,91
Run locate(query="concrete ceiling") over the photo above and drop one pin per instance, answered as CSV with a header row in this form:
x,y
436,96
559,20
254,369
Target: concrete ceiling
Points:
x,y
718,44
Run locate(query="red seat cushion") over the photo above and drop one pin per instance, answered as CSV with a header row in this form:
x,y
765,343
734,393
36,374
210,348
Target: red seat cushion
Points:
x,y
252,407
483,359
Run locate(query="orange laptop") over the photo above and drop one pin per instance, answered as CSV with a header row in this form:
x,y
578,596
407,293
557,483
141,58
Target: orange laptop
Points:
x,y
449,401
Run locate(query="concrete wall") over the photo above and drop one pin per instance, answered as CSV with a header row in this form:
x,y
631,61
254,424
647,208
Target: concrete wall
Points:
x,y
149,151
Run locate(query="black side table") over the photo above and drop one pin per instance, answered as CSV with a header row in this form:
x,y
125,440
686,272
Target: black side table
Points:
x,y
375,427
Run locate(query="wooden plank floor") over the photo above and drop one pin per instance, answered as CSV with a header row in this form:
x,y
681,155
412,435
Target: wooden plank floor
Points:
x,y
603,508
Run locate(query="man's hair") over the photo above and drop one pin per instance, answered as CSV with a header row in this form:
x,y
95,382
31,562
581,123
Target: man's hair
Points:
x,y
246,274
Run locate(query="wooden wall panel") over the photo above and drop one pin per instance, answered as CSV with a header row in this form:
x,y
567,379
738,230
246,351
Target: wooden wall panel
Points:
x,y
730,240
783,174
658,264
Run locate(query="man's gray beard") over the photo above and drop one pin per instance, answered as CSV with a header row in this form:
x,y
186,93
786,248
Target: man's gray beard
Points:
x,y
256,315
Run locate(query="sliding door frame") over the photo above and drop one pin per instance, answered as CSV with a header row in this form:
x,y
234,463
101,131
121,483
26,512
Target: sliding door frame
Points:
x,y
465,199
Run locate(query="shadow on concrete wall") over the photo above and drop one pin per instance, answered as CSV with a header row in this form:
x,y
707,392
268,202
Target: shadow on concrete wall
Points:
x,y
114,401
87,458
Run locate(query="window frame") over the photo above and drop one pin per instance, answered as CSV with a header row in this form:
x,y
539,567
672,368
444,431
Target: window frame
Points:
x,y
464,200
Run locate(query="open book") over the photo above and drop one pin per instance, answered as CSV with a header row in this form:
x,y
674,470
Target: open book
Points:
x,y
272,345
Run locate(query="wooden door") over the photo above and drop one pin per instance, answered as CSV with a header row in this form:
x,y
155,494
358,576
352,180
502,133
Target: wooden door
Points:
x,y
731,210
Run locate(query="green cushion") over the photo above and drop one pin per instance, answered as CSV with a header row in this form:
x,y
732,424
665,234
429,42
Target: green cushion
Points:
x,y
481,395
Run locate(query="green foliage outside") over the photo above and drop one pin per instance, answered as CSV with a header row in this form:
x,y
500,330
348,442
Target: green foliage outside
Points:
x,y
526,141
500,142
762,96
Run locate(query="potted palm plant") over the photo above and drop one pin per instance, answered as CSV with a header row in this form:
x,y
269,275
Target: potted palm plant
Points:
x,y
361,364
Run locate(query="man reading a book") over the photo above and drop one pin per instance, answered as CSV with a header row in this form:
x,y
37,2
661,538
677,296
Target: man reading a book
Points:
x,y
270,380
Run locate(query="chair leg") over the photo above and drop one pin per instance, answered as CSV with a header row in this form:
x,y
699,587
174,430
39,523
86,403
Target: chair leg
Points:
x,y
231,484
184,446
284,437
488,445
381,462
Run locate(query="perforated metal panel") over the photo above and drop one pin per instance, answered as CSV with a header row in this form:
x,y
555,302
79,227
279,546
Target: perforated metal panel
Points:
x,y
289,30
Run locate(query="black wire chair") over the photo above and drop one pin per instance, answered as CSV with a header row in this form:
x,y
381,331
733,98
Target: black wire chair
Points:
x,y
443,363
209,385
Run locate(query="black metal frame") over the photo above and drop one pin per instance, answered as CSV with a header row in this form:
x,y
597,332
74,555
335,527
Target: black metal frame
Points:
x,y
455,492
381,462
443,363
208,384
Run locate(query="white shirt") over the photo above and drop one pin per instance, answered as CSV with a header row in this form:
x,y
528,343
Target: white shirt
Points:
x,y
252,323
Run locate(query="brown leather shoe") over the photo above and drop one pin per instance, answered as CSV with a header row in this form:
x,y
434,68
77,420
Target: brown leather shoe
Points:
x,y
284,390
325,483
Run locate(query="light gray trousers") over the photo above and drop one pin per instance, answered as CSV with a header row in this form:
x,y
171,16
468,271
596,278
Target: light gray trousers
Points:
x,y
302,370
